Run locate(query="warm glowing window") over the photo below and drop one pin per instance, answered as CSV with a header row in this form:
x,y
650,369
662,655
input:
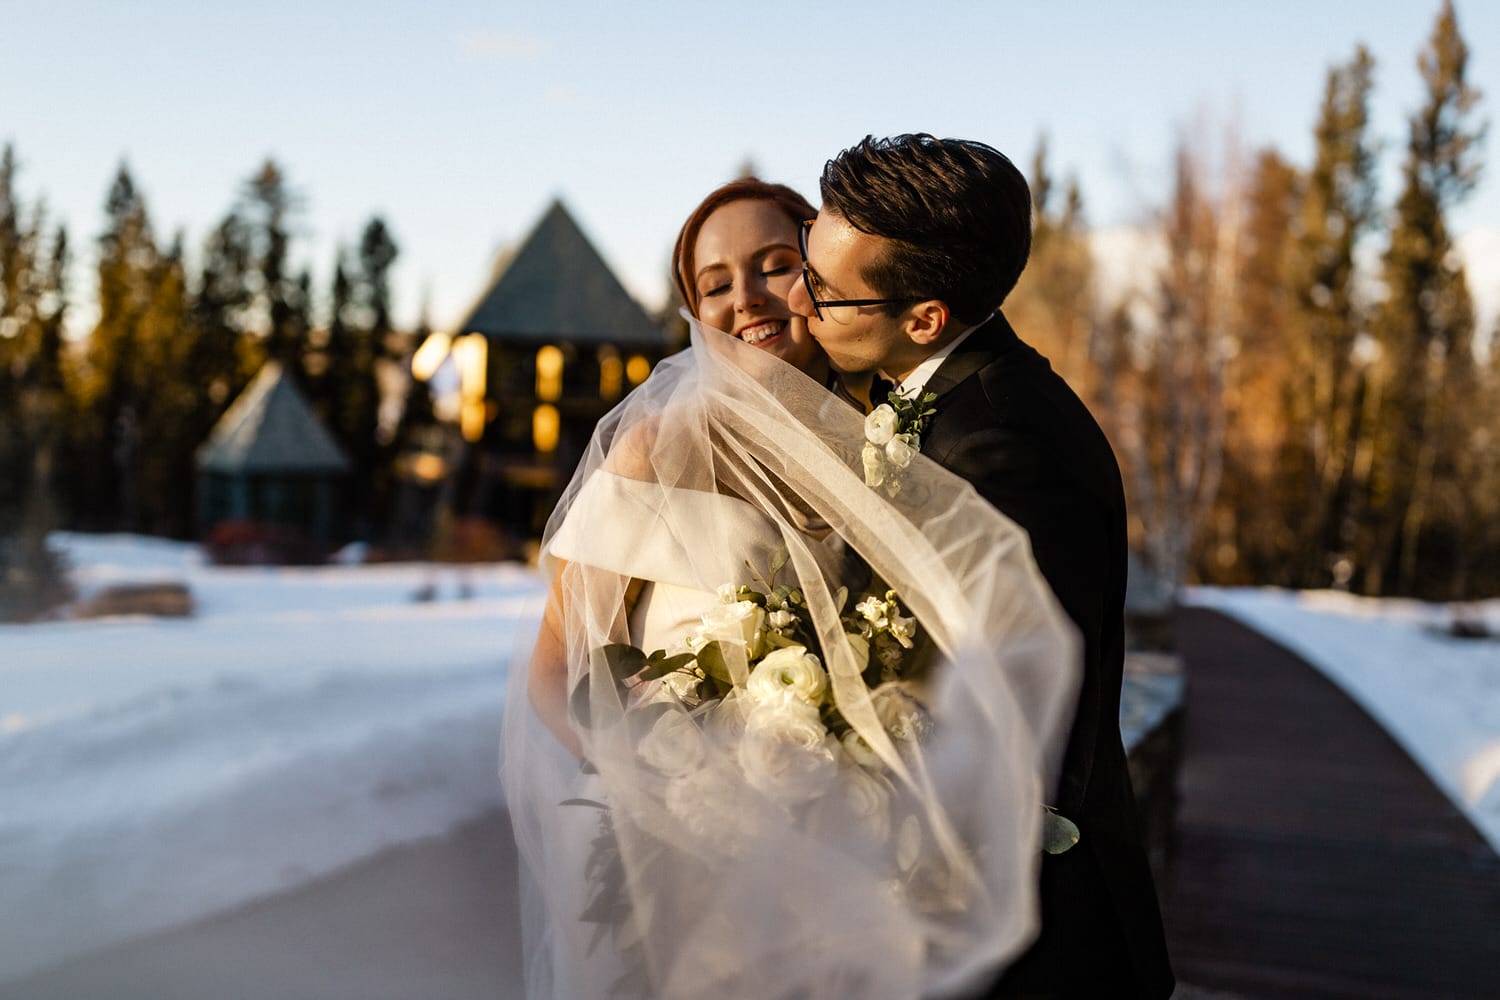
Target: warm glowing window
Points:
x,y
549,370
611,373
636,369
544,427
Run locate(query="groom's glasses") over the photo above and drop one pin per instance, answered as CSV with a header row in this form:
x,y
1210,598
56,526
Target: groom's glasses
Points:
x,y
807,281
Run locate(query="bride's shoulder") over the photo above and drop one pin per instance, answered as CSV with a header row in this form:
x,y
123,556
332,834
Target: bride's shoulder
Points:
x,y
632,450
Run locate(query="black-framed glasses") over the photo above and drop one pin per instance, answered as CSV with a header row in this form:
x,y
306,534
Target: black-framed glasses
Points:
x,y
820,304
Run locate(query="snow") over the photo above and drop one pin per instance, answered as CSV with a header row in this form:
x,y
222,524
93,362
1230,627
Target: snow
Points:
x,y
154,771
1438,696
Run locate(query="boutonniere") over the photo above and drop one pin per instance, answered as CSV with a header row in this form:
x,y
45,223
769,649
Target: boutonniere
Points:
x,y
893,436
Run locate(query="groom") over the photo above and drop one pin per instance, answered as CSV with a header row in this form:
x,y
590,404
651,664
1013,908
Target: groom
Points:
x,y
918,242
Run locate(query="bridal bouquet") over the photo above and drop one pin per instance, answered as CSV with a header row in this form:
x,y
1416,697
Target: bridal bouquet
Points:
x,y
753,671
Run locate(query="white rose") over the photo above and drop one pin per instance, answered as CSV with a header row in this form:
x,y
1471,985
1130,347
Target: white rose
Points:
x,y
869,797
900,449
740,622
674,745
786,753
874,458
678,685
880,425
789,672
899,711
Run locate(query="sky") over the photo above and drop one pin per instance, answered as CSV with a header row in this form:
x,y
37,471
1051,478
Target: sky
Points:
x,y
460,122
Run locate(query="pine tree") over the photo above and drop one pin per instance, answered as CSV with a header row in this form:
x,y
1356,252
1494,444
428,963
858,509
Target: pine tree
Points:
x,y
1339,209
114,380
1251,531
279,310
1425,329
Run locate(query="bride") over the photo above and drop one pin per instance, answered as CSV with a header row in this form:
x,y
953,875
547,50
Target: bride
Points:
x,y
783,733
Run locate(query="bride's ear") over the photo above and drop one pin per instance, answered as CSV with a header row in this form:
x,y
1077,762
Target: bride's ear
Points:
x,y
926,321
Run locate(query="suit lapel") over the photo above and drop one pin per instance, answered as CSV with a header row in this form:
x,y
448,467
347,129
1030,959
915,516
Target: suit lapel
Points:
x,y
991,340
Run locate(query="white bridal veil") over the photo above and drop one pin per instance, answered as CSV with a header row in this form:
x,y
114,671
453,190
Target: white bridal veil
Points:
x,y
783,792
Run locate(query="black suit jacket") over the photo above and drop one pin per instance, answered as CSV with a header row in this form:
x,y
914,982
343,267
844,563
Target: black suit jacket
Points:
x,y
1015,430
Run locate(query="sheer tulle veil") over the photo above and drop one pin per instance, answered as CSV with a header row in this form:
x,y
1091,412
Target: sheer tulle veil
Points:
x,y
696,851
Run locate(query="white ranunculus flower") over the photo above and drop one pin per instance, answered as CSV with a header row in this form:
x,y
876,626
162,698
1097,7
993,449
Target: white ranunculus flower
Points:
x,y
900,450
900,712
874,458
789,672
741,622
880,425
674,745
869,797
859,751
786,753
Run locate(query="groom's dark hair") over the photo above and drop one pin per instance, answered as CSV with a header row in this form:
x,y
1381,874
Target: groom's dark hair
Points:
x,y
957,213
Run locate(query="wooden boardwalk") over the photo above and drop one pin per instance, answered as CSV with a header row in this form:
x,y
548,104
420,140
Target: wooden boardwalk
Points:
x,y
1312,857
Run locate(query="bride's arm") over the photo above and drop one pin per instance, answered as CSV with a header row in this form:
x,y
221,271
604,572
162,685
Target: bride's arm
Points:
x,y
547,680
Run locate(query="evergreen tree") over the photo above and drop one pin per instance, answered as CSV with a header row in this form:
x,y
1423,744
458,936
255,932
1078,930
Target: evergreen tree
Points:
x,y
1425,329
1339,209
114,380
1251,532
279,309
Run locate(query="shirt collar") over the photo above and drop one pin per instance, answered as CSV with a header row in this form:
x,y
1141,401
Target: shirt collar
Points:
x,y
911,386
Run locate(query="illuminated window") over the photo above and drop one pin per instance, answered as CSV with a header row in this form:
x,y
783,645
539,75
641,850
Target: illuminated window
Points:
x,y
636,369
549,370
544,427
611,373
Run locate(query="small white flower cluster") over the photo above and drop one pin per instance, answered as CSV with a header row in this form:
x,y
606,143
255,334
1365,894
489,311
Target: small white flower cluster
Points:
x,y
888,633
887,451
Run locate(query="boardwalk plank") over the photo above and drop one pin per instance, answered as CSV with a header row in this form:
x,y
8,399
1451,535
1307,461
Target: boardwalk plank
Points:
x,y
1311,857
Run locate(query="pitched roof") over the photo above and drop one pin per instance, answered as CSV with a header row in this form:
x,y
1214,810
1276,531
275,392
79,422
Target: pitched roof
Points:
x,y
557,287
270,428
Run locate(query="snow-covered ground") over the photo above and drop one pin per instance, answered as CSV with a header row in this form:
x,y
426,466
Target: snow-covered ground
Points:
x,y
154,771
1437,695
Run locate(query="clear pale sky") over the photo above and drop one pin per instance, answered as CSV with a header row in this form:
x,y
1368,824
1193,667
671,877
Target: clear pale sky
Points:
x,y
459,122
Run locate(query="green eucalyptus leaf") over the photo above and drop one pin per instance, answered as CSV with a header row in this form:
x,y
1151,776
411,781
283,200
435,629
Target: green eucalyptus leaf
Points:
x,y
1059,834
711,659
668,665
578,703
625,661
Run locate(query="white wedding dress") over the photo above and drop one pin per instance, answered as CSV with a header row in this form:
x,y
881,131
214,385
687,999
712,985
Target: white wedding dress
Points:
x,y
731,455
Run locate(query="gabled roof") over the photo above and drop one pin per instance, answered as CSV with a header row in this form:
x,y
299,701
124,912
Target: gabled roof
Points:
x,y
270,428
557,287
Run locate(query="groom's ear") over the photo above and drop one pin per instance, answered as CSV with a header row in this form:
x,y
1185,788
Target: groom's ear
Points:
x,y
926,321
